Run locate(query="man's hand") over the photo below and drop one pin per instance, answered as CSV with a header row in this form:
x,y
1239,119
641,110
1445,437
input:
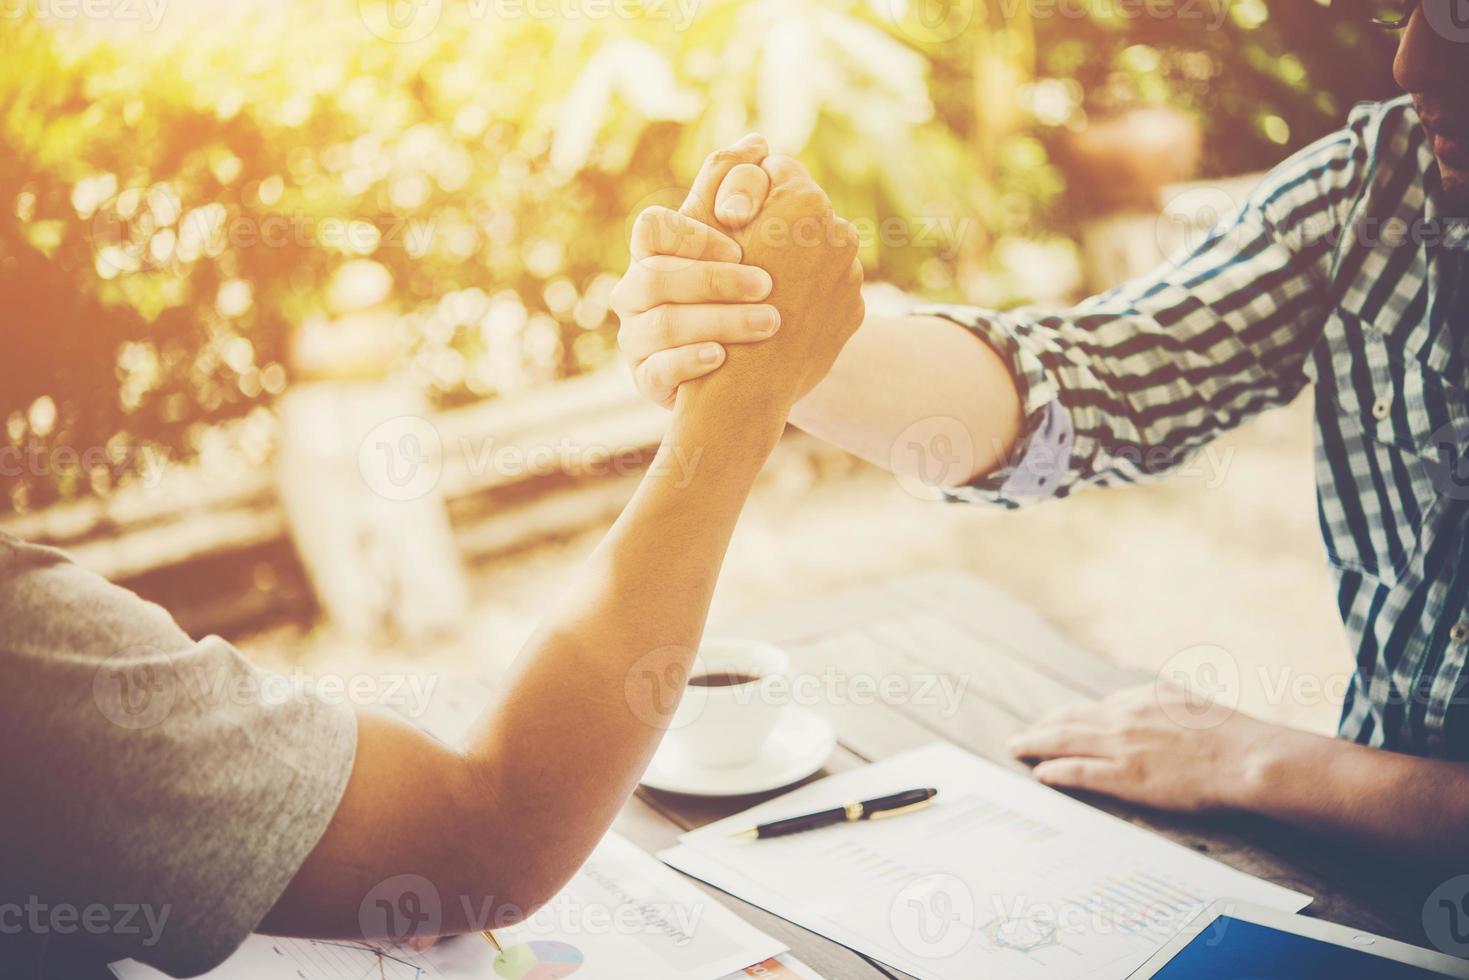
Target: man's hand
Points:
x,y
1153,745
680,301
811,255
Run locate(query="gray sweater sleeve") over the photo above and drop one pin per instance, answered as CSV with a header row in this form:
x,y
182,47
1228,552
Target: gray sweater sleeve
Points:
x,y
160,792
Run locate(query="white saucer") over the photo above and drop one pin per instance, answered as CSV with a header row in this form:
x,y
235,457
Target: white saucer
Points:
x,y
799,746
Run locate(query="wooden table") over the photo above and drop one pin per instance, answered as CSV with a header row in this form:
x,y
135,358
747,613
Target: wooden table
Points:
x,y
1014,667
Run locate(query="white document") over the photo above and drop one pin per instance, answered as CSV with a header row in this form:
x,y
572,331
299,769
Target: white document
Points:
x,y
623,917
998,877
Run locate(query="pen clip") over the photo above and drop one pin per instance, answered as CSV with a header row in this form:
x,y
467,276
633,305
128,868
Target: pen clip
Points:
x,y
883,814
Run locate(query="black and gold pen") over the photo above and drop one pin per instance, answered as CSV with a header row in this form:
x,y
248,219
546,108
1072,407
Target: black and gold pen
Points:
x,y
883,806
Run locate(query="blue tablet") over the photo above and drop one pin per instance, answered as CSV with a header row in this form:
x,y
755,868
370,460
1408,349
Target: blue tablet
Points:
x,y
1237,941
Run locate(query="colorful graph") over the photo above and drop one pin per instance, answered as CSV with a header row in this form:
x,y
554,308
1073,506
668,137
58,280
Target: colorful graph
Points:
x,y
1022,935
1142,902
541,959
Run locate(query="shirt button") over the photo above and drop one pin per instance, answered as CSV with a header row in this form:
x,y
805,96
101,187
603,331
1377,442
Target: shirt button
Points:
x,y
1382,407
1459,632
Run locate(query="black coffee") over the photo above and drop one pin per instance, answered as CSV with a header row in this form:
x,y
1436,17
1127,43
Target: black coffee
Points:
x,y
722,679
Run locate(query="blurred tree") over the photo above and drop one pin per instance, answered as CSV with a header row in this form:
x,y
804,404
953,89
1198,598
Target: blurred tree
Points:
x,y
176,206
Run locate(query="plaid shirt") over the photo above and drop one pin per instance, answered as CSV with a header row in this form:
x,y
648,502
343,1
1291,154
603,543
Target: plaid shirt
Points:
x,y
1343,270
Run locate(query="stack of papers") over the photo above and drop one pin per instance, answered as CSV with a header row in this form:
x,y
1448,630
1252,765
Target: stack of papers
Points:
x,y
998,877
623,917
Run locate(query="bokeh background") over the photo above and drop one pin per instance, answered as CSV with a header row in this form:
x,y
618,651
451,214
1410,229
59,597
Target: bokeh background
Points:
x,y
208,210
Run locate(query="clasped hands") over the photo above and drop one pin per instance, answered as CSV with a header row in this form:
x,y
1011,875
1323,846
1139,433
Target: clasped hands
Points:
x,y
753,286
754,259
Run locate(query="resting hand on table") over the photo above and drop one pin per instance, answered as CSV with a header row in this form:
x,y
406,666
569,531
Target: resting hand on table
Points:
x,y
1149,745
781,268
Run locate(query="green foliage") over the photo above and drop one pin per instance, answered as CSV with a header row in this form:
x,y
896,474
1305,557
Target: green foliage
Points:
x,y
176,206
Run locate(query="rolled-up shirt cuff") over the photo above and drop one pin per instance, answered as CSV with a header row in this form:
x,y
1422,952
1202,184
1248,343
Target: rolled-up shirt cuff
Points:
x,y
1037,464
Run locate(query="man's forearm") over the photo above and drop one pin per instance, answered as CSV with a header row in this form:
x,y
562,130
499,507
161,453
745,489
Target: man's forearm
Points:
x,y
497,827
1391,801
616,650
900,372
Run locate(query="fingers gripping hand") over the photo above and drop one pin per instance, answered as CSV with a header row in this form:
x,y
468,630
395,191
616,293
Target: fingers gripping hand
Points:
x,y
811,255
741,195
676,315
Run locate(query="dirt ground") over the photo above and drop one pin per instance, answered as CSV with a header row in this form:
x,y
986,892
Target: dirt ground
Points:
x,y
1226,553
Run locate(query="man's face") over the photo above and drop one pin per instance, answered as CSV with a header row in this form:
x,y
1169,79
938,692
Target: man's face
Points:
x,y
1433,66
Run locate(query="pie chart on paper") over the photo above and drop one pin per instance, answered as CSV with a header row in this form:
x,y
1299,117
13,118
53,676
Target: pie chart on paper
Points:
x,y
541,959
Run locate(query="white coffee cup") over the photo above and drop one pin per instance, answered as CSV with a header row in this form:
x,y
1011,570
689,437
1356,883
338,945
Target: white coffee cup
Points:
x,y
725,725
